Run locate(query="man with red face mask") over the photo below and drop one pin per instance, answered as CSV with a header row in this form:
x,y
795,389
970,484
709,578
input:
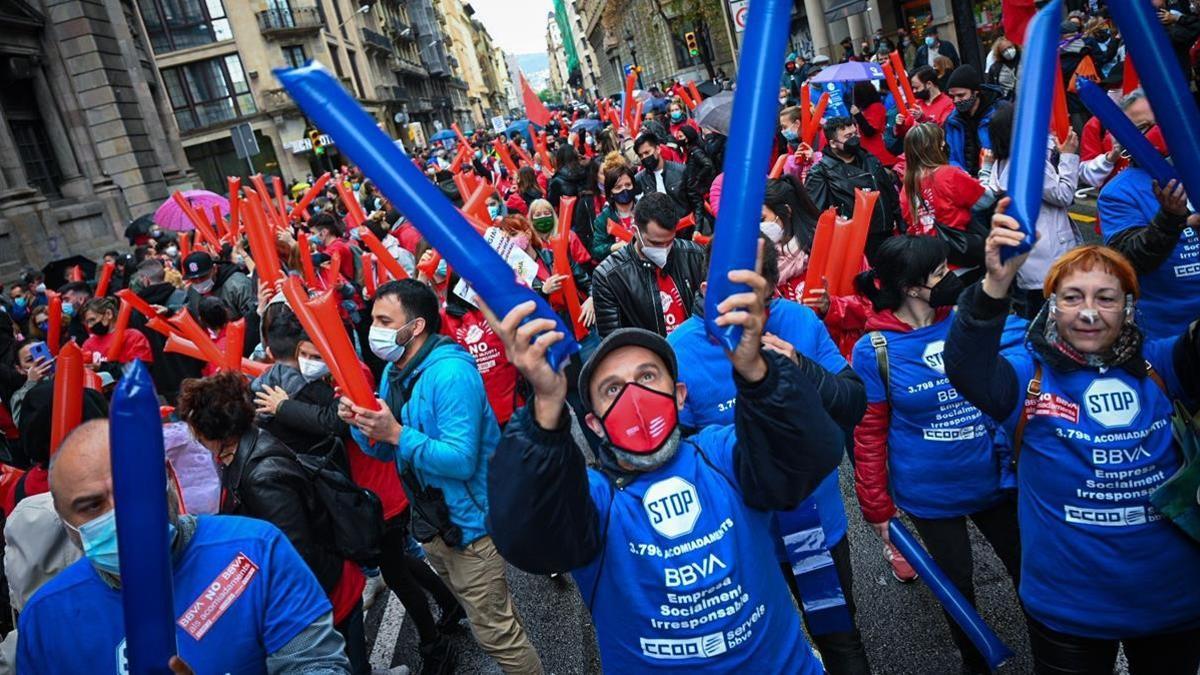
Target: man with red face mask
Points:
x,y
668,537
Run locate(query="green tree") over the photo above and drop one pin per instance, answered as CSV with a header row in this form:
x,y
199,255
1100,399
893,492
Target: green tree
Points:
x,y
547,96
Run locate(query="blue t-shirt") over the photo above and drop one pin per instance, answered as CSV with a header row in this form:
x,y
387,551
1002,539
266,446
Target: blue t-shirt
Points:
x,y
241,593
687,579
712,393
1099,561
1170,298
942,459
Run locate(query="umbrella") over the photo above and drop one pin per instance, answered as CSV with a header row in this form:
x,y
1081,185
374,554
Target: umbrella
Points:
x,y
444,135
587,125
139,227
851,71
522,126
170,217
656,104
708,89
716,112
56,272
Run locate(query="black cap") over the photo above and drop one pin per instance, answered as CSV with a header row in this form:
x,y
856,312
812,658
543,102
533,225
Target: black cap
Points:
x,y
964,77
625,337
197,265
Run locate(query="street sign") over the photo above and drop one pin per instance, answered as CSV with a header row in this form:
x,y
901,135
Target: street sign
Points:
x,y
738,9
245,145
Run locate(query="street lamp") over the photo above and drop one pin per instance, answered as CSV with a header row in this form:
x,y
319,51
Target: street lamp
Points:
x,y
632,45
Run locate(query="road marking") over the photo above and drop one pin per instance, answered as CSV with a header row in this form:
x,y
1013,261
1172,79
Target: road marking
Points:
x,y
1082,218
388,636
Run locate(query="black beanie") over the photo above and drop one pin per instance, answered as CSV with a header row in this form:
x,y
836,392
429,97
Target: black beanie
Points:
x,y
964,77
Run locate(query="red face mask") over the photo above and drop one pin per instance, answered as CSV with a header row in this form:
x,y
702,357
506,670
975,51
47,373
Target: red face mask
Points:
x,y
641,420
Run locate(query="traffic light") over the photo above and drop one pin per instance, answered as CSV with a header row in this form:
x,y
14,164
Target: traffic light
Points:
x,y
692,45
314,137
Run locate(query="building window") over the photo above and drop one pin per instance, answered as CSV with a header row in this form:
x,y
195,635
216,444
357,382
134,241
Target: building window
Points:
x,y
178,24
29,133
209,92
215,160
294,56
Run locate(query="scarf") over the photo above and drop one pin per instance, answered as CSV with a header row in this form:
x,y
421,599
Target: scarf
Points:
x,y
793,261
1044,340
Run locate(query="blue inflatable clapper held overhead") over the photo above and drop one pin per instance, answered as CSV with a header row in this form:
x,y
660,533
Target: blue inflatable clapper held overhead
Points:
x,y
1031,126
1122,129
139,477
747,158
1165,85
985,640
333,110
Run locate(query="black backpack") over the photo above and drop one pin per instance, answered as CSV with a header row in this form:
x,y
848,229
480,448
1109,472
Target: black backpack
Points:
x,y
355,512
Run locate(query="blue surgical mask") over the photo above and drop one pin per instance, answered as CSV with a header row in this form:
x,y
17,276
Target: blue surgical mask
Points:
x,y
929,41
677,116
99,539
21,302
68,309
790,135
441,269
494,211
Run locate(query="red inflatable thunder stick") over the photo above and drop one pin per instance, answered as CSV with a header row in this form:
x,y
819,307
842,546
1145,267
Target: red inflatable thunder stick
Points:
x,y
320,319
562,264
67,410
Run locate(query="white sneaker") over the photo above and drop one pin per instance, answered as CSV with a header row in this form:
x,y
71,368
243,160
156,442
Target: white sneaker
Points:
x,y
371,592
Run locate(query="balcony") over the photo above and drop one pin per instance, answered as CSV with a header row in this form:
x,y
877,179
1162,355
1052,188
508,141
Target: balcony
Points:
x,y
276,101
459,83
402,31
391,93
422,104
376,41
277,23
399,64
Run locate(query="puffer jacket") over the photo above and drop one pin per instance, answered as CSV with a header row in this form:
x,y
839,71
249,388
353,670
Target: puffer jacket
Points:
x,y
625,293
266,481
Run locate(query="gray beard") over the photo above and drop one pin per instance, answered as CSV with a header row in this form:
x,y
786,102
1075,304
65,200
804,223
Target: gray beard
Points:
x,y
653,460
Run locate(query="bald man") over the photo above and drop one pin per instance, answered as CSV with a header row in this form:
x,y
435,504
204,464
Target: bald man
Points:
x,y
244,600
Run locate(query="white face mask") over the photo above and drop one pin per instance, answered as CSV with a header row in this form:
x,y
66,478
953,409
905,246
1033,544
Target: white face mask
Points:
x,y
203,287
172,251
773,230
1010,53
383,343
655,254
312,369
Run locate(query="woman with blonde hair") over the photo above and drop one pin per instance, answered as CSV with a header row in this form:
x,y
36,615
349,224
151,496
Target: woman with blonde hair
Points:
x,y
937,197
1003,61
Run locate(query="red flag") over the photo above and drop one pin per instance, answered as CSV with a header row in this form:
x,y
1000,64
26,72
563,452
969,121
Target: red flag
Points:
x,y
535,110
1015,15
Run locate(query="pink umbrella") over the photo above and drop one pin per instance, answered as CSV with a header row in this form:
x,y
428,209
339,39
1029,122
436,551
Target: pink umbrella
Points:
x,y
170,217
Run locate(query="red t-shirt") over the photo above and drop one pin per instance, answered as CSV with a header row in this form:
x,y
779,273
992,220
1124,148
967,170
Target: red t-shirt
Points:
x,y
947,196
347,258
473,333
674,313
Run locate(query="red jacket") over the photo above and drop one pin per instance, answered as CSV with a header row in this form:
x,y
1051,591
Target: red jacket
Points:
x,y
935,111
871,439
347,257
133,346
947,196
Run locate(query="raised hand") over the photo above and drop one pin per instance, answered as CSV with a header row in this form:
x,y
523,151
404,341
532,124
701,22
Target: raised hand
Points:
x,y
529,356
748,311
1005,232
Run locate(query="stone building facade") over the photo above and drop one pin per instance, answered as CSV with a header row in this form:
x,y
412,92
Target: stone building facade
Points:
x,y
87,141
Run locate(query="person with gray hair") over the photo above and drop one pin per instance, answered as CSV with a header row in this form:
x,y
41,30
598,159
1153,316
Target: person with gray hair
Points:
x,y
261,606
1103,156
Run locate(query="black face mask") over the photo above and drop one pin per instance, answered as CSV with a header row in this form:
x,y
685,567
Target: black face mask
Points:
x,y
945,292
852,145
623,197
922,95
650,163
98,328
964,106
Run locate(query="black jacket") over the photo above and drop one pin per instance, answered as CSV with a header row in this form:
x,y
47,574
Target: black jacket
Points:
x,y
239,292
170,370
572,182
698,175
674,181
266,481
538,480
1148,247
832,182
944,48
308,419
625,293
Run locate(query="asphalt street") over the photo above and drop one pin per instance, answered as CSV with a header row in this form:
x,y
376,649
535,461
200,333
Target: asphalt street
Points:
x,y
902,624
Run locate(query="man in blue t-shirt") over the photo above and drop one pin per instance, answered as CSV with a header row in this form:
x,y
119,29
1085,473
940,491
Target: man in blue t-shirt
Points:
x,y
245,602
796,332
669,536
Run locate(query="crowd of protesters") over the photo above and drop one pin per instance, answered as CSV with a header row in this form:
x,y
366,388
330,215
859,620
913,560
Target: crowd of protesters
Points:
x,y
692,492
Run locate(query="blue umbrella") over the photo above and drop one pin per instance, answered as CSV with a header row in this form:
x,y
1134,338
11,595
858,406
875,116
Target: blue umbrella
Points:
x,y
443,135
587,125
851,71
524,127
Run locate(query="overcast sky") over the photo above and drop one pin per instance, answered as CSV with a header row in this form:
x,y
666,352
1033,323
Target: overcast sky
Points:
x,y
518,26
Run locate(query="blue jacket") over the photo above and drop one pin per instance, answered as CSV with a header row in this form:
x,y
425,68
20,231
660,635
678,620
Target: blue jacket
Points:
x,y
676,564
956,136
1170,298
449,433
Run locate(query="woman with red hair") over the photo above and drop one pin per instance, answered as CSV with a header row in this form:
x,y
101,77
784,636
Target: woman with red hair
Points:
x,y
1088,407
